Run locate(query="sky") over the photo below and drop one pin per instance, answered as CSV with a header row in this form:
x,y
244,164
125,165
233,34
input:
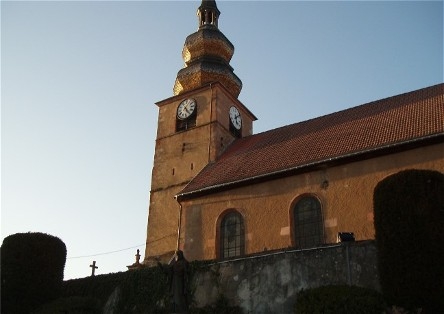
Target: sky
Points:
x,y
80,79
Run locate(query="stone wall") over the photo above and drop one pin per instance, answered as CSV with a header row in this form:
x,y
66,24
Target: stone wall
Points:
x,y
269,282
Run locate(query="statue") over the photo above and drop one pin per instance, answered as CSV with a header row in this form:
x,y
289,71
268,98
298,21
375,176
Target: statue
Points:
x,y
177,281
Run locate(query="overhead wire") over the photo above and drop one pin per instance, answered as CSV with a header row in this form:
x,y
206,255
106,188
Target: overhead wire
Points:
x,y
116,251
105,253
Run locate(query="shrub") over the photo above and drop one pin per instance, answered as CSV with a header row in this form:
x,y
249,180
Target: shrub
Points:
x,y
32,267
128,286
221,306
96,287
137,291
339,299
409,223
72,305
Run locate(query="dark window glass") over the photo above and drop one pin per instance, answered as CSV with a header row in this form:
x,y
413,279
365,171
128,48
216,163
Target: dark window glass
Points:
x,y
232,235
236,133
190,122
308,226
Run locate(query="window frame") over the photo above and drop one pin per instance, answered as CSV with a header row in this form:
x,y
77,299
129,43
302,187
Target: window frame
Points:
x,y
221,249
188,123
317,234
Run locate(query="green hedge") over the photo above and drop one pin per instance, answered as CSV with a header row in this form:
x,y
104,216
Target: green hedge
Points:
x,y
32,266
339,299
409,229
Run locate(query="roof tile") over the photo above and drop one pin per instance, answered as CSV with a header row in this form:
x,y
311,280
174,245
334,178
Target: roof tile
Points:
x,y
374,125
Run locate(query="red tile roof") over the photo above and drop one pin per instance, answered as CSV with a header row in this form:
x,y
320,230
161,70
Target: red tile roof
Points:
x,y
389,122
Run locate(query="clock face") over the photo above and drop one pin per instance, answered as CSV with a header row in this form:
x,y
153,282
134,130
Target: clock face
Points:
x,y
186,108
235,118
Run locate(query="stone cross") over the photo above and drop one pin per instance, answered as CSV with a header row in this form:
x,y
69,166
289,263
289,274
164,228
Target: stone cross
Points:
x,y
93,268
138,257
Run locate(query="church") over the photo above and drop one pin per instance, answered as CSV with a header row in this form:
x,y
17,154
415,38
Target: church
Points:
x,y
218,191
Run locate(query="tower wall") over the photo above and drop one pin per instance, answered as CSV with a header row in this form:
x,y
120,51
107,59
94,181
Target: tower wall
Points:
x,y
180,155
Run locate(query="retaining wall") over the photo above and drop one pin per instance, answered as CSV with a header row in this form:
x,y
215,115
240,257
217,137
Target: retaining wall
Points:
x,y
269,282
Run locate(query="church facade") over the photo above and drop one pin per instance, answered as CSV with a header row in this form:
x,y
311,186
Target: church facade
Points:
x,y
219,191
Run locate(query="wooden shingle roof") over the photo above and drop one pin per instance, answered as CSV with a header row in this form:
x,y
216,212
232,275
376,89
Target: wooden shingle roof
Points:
x,y
377,127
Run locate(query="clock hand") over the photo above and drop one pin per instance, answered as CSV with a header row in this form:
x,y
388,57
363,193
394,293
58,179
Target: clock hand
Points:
x,y
188,110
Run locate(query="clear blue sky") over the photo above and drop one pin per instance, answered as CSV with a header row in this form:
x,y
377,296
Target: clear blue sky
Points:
x,y
79,81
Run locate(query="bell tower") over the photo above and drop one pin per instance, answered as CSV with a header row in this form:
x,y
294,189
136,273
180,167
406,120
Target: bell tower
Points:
x,y
195,125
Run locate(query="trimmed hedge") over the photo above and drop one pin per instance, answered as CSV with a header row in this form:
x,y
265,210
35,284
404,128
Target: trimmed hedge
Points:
x,y
409,229
32,266
339,299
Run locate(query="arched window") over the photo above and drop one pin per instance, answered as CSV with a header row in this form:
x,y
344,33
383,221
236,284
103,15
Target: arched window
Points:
x,y
232,235
308,225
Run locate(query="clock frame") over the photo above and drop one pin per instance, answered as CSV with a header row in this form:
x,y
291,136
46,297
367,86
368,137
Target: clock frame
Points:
x,y
186,108
235,118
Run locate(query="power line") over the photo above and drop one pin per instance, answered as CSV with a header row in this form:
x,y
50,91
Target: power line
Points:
x,y
128,248
105,253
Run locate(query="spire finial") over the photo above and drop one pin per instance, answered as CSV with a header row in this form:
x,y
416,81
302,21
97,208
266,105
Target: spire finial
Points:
x,y
208,13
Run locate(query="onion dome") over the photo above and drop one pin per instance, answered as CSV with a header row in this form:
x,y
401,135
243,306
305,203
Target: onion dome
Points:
x,y
207,54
